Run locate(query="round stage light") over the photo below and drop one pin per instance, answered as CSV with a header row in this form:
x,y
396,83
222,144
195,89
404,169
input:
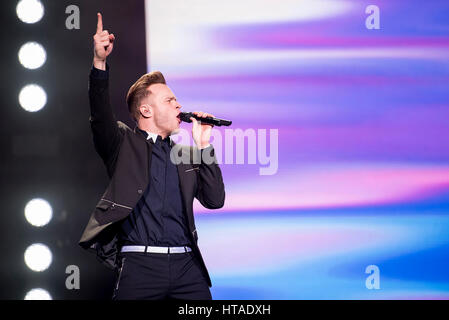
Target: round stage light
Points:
x,y
38,257
30,11
32,55
38,212
38,294
32,98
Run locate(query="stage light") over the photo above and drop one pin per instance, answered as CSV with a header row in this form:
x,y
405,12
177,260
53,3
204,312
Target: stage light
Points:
x,y
38,294
32,98
38,212
38,257
32,55
30,11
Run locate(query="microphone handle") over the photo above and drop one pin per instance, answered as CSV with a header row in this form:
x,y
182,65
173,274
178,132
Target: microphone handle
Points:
x,y
185,116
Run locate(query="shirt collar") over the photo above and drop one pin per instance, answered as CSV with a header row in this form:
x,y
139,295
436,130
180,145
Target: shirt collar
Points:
x,y
150,135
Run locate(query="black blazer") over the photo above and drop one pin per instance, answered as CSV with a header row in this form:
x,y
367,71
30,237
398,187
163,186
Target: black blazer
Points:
x,y
127,157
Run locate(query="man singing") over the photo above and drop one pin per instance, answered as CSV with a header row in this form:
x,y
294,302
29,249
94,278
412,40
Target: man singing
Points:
x,y
143,226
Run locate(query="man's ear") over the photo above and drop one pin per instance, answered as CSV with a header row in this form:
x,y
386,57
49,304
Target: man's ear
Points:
x,y
146,111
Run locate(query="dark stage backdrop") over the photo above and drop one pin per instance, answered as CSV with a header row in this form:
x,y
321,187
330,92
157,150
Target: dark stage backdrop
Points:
x,y
50,154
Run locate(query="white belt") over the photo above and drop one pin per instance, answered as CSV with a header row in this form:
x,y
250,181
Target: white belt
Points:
x,y
151,249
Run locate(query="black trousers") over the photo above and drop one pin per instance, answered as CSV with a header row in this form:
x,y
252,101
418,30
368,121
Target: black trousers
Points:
x,y
157,276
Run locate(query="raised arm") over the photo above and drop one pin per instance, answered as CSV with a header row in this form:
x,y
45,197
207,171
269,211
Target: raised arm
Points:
x,y
106,134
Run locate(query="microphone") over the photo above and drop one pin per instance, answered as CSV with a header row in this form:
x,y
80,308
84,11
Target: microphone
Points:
x,y
185,116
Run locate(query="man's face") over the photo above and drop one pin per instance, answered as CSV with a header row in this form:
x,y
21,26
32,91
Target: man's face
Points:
x,y
165,108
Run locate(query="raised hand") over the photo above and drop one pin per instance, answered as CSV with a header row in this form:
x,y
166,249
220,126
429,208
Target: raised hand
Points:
x,y
103,44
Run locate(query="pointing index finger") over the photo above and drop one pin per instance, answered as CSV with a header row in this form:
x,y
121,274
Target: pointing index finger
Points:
x,y
99,23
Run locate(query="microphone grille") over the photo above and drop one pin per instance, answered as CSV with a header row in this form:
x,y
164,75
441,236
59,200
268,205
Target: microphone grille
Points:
x,y
185,116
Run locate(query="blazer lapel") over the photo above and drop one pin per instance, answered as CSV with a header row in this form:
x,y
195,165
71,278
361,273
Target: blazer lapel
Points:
x,y
183,185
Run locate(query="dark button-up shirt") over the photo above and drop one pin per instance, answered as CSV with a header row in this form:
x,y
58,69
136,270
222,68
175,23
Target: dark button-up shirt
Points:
x,y
159,218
